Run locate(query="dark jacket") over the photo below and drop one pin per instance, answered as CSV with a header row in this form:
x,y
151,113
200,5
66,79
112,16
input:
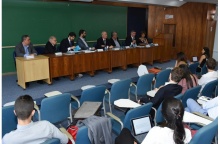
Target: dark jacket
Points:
x,y
81,44
128,40
113,43
101,42
20,52
166,91
64,44
49,48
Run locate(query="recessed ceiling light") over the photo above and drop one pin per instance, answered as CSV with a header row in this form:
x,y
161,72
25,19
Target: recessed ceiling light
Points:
x,y
180,0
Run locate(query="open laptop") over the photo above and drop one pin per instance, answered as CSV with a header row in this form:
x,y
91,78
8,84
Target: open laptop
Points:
x,y
195,59
140,127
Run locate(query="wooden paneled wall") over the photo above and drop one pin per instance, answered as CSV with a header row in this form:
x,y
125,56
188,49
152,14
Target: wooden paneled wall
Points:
x,y
194,27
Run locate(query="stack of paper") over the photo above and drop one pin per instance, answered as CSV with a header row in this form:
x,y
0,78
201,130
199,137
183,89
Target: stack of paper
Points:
x,y
126,103
152,93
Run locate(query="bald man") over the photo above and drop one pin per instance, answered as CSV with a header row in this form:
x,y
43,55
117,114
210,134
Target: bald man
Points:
x,y
50,47
103,41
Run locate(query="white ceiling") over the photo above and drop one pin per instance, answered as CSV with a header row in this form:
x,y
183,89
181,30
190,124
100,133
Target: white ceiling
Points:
x,y
175,3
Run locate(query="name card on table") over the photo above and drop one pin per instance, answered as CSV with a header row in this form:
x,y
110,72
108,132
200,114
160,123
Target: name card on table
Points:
x,y
99,50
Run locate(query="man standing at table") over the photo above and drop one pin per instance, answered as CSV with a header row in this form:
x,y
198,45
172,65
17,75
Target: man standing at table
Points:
x,y
114,40
103,41
50,47
131,40
67,44
81,40
25,48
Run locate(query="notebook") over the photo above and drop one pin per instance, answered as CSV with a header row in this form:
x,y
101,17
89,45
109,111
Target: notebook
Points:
x,y
140,127
87,109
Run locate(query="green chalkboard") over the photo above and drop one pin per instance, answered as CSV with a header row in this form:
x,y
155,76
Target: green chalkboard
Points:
x,y
42,19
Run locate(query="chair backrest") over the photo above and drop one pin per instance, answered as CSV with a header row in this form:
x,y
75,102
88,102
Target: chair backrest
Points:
x,y
56,109
209,88
120,90
82,136
136,112
179,96
144,84
191,93
52,141
204,69
9,120
193,67
39,49
162,77
95,94
205,134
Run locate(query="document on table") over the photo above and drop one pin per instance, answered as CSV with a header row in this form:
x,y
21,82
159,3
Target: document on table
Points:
x,y
126,103
192,118
152,93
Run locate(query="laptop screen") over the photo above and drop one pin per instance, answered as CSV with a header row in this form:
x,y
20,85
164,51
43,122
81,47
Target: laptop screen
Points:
x,y
141,125
195,59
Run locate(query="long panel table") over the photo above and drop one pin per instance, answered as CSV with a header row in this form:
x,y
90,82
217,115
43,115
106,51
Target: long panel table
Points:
x,y
72,64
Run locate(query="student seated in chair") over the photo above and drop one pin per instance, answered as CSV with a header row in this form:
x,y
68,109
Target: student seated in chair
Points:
x,y
209,108
29,132
170,90
211,75
172,132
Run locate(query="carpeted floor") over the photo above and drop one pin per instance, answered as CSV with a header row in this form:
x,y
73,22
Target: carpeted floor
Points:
x,y
10,89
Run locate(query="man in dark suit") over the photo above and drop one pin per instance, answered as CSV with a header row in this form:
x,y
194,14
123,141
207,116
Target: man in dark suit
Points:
x,y
131,40
50,47
103,41
67,44
170,90
81,40
114,40
25,48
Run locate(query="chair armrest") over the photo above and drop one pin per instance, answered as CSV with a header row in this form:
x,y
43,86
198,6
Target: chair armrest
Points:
x,y
133,84
76,99
115,118
64,131
36,107
204,116
155,111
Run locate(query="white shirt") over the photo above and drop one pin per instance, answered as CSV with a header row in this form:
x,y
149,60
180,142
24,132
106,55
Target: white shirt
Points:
x,y
208,77
34,133
212,107
163,135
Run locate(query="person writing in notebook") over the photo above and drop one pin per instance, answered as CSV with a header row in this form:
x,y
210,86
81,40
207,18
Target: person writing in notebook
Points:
x,y
25,47
67,44
172,132
29,132
170,90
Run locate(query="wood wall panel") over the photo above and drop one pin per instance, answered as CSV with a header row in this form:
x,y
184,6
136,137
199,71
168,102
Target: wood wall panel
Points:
x,y
193,26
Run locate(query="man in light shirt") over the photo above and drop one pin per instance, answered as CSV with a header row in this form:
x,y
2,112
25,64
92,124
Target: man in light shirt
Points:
x,y
209,108
114,40
29,132
25,48
210,75
81,40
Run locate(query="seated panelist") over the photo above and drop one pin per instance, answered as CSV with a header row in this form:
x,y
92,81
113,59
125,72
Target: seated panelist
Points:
x,y
50,47
25,47
103,41
67,44
142,40
114,40
81,40
131,40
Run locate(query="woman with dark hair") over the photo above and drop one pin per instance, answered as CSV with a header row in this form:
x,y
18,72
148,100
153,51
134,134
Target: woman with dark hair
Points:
x,y
203,58
172,132
188,80
142,40
180,59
